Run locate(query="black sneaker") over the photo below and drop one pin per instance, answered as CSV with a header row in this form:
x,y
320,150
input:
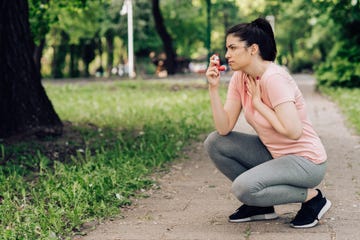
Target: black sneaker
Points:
x,y
247,213
311,212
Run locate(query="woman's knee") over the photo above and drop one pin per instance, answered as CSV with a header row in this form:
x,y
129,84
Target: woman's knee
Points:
x,y
214,147
245,191
211,141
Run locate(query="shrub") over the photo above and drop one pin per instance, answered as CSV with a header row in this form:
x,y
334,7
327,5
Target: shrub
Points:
x,y
342,68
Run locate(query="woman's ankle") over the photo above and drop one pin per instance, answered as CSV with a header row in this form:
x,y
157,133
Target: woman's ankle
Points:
x,y
311,194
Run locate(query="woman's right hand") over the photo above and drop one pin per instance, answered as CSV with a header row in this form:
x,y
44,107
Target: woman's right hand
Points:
x,y
212,73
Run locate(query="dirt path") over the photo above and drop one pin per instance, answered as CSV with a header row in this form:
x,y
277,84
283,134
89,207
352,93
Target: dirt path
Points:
x,y
194,200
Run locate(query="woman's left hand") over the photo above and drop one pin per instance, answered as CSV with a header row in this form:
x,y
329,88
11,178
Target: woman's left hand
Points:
x,y
253,89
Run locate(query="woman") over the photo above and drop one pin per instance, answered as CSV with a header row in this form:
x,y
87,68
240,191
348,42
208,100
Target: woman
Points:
x,y
286,159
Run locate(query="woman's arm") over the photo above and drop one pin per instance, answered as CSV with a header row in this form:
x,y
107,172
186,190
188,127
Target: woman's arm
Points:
x,y
225,116
284,118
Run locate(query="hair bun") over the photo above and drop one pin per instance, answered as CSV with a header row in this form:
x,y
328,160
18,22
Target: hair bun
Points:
x,y
260,23
264,25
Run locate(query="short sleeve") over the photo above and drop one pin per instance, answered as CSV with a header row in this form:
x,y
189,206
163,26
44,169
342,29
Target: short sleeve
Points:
x,y
234,89
280,89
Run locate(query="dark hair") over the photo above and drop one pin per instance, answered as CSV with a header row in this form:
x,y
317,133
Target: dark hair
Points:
x,y
260,32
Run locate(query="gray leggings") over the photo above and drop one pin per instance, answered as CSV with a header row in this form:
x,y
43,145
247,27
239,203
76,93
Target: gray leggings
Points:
x,y
257,181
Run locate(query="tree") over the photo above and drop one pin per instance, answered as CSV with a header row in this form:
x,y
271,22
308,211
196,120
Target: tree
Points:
x,y
293,28
24,105
224,14
170,62
342,64
39,24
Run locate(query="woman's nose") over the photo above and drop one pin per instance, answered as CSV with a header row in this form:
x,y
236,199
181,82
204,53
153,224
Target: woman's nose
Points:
x,y
226,55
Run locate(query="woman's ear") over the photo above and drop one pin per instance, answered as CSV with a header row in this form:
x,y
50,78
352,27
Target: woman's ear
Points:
x,y
254,48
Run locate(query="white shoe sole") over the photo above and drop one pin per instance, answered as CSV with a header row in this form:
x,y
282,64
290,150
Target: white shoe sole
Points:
x,y
260,217
325,208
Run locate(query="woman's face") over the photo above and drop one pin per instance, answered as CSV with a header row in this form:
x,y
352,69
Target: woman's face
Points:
x,y
237,53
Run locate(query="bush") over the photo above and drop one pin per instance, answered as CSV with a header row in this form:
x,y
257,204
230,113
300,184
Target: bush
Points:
x,y
342,68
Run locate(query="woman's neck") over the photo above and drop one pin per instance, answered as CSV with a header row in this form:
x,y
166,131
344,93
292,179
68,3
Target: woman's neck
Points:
x,y
257,69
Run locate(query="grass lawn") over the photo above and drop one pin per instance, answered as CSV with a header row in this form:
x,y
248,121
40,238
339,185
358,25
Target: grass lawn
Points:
x,y
349,102
116,134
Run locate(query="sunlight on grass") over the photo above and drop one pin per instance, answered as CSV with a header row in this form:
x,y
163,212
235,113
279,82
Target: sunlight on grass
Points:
x,y
126,104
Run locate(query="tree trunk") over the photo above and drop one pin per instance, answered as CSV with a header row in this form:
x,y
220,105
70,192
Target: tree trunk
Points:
x,y
25,108
170,62
88,54
208,29
110,51
323,52
59,59
74,57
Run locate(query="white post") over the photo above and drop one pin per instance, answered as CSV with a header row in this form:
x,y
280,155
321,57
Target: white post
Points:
x,y
130,39
127,9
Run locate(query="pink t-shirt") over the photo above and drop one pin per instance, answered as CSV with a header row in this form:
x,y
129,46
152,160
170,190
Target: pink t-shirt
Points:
x,y
277,86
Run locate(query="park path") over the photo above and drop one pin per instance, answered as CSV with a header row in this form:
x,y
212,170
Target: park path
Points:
x,y
194,199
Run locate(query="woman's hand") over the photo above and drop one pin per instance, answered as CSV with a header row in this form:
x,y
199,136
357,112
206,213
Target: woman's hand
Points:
x,y
212,73
253,90
284,117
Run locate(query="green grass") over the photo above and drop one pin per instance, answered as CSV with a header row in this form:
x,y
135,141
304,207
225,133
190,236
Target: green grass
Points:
x,y
121,133
349,102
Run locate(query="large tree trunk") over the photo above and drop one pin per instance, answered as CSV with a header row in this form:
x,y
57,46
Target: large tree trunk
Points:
x,y
170,62
24,106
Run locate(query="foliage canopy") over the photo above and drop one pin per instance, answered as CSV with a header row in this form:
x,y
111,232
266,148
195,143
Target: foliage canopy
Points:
x,y
320,35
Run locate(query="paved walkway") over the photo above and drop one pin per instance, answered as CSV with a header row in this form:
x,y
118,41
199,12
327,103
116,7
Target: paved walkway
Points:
x,y
194,199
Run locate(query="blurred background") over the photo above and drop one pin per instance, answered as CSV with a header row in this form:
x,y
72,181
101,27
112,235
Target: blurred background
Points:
x,y
90,38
